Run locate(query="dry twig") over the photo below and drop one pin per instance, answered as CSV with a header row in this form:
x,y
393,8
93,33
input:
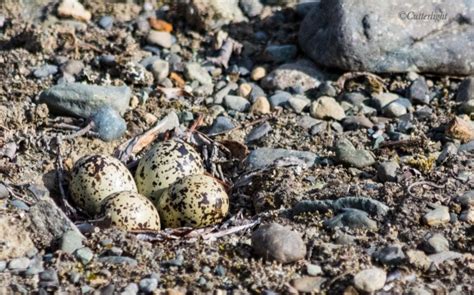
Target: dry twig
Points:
x,y
429,183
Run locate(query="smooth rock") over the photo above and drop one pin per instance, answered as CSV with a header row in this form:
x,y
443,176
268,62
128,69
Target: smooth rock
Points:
x,y
450,150
394,109
327,107
263,157
45,71
437,216
390,255
261,106
84,100
221,124
370,280
280,98
258,132
109,124
160,69
354,98
308,284
236,103
298,103
258,73
256,92
467,107
274,241
245,89
148,285
280,53
352,218
387,171
3,265
84,255
19,204
435,243
466,90
303,73
381,100
347,154
378,37
326,89
313,269
106,22
71,241
130,289
74,9
107,60
419,92
251,8
356,122
306,122
194,71
163,39
19,264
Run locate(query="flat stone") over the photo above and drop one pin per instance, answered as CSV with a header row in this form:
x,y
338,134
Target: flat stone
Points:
x,y
381,100
356,122
3,265
236,103
303,73
194,71
221,124
263,157
394,109
84,100
274,241
370,280
258,132
162,39
387,171
347,154
437,216
327,107
435,243
390,255
368,36
280,98
19,264
306,122
84,255
298,103
109,124
70,242
36,266
352,218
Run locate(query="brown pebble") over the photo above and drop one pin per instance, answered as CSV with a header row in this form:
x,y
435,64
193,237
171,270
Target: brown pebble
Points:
x,y
258,73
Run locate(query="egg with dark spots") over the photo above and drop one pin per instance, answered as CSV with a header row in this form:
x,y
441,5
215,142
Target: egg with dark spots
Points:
x,y
95,177
130,211
165,163
195,201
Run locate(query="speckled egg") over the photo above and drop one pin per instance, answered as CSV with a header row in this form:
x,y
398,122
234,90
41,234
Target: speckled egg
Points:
x,y
196,201
165,163
131,211
95,177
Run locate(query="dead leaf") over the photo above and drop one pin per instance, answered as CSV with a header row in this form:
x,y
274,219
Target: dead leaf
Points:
x,y
237,149
177,79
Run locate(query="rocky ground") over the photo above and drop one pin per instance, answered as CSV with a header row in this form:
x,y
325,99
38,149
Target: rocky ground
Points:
x,y
340,182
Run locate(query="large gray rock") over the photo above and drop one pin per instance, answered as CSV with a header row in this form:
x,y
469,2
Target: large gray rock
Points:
x,y
390,36
82,100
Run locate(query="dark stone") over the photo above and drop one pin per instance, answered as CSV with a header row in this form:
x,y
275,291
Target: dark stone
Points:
x,y
109,124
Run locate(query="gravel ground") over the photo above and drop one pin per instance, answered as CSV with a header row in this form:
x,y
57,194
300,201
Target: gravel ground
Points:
x,y
338,183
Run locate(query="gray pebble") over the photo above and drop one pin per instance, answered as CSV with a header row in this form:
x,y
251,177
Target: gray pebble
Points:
x,y
466,90
306,122
220,271
298,103
387,171
435,243
50,276
264,157
394,109
256,92
221,124
258,132
313,269
45,71
107,60
280,98
70,241
20,263
148,61
36,266
109,124
194,71
106,22
74,277
148,285
370,280
419,92
352,218
72,67
347,154
390,255
354,98
236,103
251,8
160,69
162,39
318,128
274,241
3,265
326,89
84,255
19,204
178,261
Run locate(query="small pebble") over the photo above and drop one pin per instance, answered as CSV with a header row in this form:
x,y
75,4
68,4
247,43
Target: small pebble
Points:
x,y
21,263
84,255
308,284
387,171
70,241
160,69
436,243
109,124
45,71
221,124
437,216
118,260
163,39
258,73
236,103
106,22
3,265
72,67
261,106
245,89
148,285
258,132
130,289
313,269
390,255
418,259
280,53
327,107
370,280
